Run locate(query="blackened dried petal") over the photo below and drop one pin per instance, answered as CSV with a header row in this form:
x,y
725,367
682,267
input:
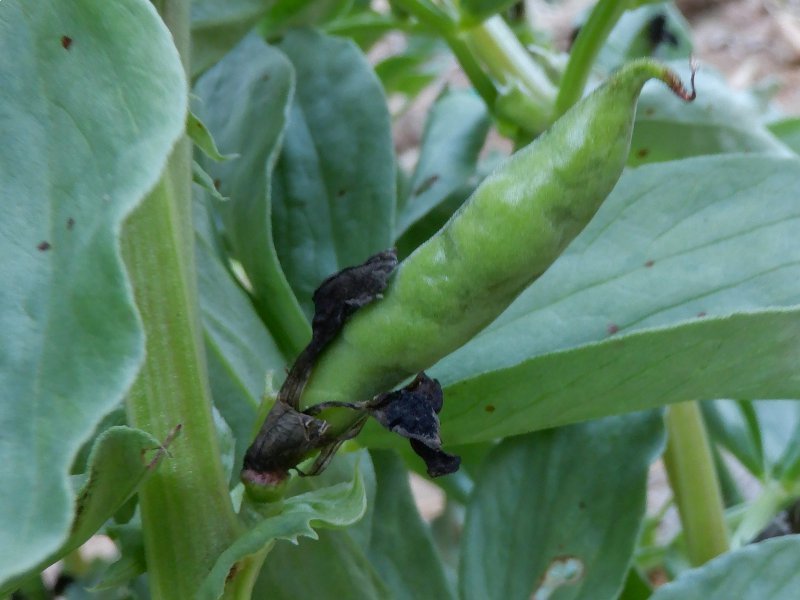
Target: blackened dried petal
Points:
x,y
343,293
412,413
437,461
335,300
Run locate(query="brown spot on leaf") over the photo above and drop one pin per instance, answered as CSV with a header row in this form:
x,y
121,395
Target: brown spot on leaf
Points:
x,y
426,185
701,314
489,408
649,263
66,42
232,573
642,152
44,246
70,223
650,111
217,183
612,328
341,193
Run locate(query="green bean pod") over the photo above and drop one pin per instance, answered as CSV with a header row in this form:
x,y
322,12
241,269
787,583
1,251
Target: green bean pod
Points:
x,y
513,227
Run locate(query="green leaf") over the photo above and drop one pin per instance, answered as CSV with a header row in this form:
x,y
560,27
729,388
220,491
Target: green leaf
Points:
x,y
633,37
787,131
244,101
454,134
719,121
77,158
755,572
239,349
204,180
401,548
762,435
120,461
407,73
735,425
685,285
336,506
636,587
480,10
219,25
334,184
572,497
131,563
203,140
779,423
341,566
287,14
337,568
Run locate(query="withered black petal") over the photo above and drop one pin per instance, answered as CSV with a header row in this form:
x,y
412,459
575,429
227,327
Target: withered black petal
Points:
x,y
335,300
343,293
412,412
437,461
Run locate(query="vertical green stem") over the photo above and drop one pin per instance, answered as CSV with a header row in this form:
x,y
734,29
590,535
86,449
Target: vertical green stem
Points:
x,y
482,84
584,51
440,22
690,468
187,516
506,59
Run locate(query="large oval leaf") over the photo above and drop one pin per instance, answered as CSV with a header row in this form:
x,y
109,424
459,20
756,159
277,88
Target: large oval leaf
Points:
x,y
401,547
334,184
92,98
756,572
120,461
569,498
685,285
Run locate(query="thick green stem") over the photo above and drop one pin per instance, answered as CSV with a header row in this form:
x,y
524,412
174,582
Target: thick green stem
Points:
x,y
440,22
690,468
507,62
187,515
584,51
482,84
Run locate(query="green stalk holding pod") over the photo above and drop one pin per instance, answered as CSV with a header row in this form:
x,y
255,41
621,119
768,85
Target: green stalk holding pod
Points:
x,y
518,221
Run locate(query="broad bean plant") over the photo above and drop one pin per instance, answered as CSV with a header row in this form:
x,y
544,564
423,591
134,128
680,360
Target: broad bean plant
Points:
x,y
236,325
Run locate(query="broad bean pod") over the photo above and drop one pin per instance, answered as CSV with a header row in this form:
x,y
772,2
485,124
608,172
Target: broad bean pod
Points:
x,y
513,227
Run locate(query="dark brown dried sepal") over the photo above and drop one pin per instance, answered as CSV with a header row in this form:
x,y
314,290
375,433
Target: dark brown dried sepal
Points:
x,y
285,439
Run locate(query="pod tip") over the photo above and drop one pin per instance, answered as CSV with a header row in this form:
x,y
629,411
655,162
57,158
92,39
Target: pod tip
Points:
x,y
676,85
